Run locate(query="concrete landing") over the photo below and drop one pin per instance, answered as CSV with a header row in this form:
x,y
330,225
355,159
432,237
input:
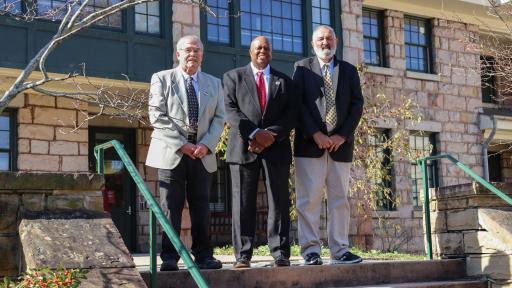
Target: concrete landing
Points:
x,y
366,273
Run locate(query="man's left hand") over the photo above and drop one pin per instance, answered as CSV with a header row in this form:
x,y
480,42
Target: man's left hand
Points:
x,y
201,151
337,141
255,147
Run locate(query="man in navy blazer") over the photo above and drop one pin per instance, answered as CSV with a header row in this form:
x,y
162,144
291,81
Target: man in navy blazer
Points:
x,y
261,112
331,105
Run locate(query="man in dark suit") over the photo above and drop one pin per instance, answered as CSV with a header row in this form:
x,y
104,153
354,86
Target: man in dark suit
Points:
x,y
261,113
331,105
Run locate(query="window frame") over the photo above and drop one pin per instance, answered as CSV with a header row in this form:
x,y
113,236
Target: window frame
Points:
x,y
13,137
161,26
490,82
235,44
432,168
381,40
428,44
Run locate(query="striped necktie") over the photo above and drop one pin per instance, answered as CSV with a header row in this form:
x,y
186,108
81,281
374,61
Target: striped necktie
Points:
x,y
193,105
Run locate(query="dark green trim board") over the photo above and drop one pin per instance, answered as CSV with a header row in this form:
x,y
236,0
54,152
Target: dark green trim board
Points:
x,y
106,52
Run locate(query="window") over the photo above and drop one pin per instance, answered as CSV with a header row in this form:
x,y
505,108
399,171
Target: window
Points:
x,y
424,144
147,18
494,161
55,9
488,79
11,6
8,140
373,37
286,23
417,44
321,12
384,194
218,27
280,21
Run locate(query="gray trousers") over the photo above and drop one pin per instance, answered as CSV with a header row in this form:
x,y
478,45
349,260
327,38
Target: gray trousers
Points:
x,y
313,176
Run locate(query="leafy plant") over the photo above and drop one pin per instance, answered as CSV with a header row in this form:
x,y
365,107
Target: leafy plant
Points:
x,y
47,278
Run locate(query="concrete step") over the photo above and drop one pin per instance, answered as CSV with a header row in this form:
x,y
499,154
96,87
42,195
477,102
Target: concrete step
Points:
x,y
366,273
435,284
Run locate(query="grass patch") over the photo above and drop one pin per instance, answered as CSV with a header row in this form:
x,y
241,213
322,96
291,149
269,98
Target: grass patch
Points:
x,y
295,251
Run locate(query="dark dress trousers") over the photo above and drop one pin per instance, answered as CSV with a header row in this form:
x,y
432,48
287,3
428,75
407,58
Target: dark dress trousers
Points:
x,y
309,86
243,114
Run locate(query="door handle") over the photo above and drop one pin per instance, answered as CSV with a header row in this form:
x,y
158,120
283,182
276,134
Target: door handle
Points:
x,y
129,211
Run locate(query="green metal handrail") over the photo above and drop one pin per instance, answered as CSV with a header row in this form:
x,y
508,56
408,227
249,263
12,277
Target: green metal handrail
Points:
x,y
426,202
155,213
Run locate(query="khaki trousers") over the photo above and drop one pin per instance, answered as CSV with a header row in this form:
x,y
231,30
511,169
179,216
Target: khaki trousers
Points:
x,y
313,176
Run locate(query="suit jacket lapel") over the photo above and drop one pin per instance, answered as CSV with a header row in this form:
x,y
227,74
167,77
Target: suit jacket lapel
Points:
x,y
335,75
319,79
204,95
178,87
250,84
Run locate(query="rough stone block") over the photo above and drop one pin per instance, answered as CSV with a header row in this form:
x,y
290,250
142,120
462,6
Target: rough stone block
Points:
x,y
438,222
8,256
113,277
39,147
41,100
497,222
32,162
33,201
462,220
63,148
94,203
76,239
24,115
75,163
483,242
51,116
33,131
65,202
495,266
23,146
67,134
9,205
448,244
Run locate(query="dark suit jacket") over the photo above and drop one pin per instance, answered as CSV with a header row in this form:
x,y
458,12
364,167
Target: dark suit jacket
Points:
x,y
309,85
243,114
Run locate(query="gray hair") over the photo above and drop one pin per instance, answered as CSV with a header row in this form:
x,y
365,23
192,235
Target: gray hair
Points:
x,y
189,38
323,27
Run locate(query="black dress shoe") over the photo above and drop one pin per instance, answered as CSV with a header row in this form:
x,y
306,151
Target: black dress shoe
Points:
x,y
313,259
169,265
281,262
209,263
242,262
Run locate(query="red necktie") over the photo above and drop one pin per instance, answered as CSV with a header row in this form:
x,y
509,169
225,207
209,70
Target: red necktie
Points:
x,y
260,84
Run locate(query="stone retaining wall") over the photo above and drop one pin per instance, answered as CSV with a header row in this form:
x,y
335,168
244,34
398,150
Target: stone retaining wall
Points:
x,y
33,192
469,221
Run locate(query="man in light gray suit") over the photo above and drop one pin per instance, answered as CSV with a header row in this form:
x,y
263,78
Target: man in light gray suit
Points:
x,y
186,110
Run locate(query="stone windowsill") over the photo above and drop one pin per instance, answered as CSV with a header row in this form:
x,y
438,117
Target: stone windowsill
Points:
x,y
380,70
423,76
50,181
386,214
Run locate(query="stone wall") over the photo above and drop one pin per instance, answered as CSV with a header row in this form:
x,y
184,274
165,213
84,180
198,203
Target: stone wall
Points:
x,y
33,192
46,138
468,221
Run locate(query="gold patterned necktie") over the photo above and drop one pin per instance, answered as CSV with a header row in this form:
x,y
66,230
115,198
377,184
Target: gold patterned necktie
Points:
x,y
330,100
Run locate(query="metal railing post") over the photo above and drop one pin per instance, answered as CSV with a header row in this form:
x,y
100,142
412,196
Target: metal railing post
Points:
x,y
152,247
426,209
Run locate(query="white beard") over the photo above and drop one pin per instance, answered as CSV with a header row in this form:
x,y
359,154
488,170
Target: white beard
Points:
x,y
324,53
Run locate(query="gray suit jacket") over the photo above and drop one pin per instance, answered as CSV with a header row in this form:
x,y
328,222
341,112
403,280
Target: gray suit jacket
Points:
x,y
168,116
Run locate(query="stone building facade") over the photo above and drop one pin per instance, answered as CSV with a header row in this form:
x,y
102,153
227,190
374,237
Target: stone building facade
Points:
x,y
448,94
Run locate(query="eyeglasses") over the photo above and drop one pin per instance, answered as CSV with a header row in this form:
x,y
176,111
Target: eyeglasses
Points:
x,y
190,50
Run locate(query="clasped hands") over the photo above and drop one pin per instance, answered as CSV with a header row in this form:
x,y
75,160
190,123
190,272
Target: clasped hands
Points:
x,y
262,139
331,143
194,151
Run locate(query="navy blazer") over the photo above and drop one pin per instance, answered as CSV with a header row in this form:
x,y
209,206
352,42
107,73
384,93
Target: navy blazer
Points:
x,y
309,85
243,114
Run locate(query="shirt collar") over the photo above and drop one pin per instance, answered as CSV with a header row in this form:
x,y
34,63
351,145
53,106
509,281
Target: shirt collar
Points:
x,y
331,63
255,70
185,75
